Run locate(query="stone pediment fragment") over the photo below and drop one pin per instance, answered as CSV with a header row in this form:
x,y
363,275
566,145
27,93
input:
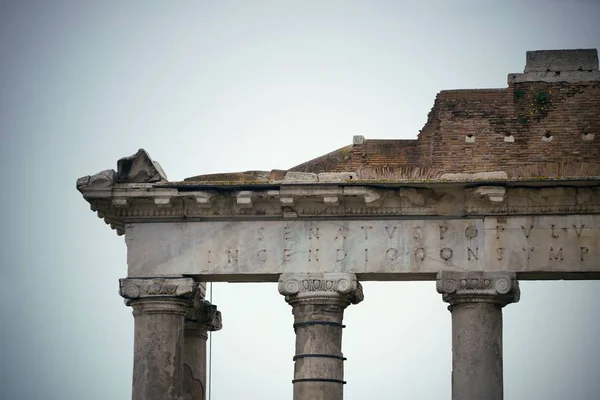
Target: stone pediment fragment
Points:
x,y
139,168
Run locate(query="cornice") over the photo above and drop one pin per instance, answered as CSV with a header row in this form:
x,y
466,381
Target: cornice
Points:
x,y
139,192
127,203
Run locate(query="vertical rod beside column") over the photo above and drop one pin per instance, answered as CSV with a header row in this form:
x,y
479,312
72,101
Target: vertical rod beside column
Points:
x,y
202,317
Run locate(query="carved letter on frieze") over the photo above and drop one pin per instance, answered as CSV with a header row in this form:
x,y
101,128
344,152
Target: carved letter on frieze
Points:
x,y
500,251
446,253
262,255
366,255
391,254
420,254
472,254
313,233
554,235
471,232
582,252
286,233
261,235
341,234
418,234
557,256
313,255
340,255
443,229
528,251
527,231
366,229
232,257
578,231
390,231
286,255
498,230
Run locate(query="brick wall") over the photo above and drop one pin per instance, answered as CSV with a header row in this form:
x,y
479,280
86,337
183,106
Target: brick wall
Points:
x,y
546,117
527,123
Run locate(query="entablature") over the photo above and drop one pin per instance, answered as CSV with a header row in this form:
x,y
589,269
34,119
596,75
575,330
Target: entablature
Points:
x,y
140,192
124,203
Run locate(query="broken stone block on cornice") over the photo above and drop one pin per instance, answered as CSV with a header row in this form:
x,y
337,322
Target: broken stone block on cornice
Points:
x,y
494,193
332,177
139,168
101,180
477,176
293,177
368,194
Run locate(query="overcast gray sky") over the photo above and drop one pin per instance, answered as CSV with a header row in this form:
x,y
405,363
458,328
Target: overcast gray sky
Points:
x,y
227,86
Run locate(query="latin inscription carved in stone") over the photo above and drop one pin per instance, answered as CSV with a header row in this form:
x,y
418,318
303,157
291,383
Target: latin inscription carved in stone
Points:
x,y
370,248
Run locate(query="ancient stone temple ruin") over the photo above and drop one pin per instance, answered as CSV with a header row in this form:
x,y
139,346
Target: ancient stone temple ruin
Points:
x,y
501,185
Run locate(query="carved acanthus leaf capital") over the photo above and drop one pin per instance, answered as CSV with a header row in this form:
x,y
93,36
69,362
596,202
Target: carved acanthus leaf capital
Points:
x,y
320,287
478,286
133,289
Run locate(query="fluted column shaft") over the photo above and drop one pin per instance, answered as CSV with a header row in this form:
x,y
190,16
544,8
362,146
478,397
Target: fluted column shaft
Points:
x,y
202,318
476,300
318,302
159,308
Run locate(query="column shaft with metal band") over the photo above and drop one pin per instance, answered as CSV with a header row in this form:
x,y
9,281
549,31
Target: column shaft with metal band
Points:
x,y
318,301
202,317
159,308
476,300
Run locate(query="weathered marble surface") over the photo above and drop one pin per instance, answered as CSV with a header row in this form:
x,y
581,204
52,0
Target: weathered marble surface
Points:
x,y
159,308
540,247
318,302
476,300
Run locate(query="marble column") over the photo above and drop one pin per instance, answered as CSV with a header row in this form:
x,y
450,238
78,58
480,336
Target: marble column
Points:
x,y
202,317
476,300
159,308
318,302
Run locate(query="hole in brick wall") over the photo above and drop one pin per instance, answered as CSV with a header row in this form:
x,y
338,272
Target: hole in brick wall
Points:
x,y
470,138
557,73
547,137
587,136
509,138
548,134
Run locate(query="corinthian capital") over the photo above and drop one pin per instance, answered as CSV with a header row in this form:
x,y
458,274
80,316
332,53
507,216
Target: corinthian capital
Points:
x,y
315,287
478,286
